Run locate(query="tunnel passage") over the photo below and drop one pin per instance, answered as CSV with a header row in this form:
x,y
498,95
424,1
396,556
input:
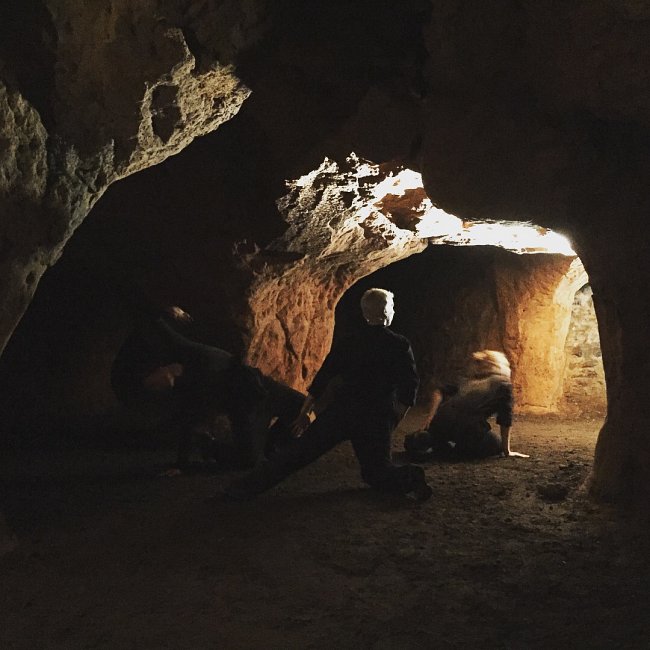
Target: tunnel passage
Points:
x,y
270,293
452,300
583,390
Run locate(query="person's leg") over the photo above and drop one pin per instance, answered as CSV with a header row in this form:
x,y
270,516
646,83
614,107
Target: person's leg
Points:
x,y
188,419
371,442
284,403
248,406
481,443
418,444
250,430
439,440
324,434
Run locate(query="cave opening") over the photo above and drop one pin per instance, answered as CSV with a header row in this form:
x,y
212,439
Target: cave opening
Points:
x,y
535,306
460,286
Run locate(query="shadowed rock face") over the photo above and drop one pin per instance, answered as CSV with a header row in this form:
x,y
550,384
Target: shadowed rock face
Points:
x,y
511,110
106,90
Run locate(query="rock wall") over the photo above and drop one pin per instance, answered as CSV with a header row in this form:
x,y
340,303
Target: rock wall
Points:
x,y
514,109
540,111
274,305
109,90
584,375
337,234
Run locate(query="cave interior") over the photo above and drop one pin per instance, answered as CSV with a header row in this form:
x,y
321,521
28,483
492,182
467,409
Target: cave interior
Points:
x,y
261,164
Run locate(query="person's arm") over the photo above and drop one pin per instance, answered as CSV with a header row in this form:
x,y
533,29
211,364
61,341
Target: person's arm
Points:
x,y
504,420
436,400
401,411
505,445
332,366
505,440
303,419
408,381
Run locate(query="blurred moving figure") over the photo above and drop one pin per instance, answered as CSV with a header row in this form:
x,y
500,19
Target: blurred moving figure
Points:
x,y
192,383
459,427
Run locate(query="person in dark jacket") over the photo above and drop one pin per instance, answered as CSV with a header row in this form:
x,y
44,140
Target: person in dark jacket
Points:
x,y
459,428
364,387
193,382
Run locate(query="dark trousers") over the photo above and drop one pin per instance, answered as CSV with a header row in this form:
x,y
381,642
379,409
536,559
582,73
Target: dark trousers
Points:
x,y
470,437
254,437
250,399
369,429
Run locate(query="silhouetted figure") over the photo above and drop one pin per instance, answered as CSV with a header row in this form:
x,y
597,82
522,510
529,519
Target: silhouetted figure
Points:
x,y
364,387
459,428
194,382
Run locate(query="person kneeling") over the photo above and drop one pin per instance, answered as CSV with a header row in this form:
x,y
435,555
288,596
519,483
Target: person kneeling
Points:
x,y
375,383
459,428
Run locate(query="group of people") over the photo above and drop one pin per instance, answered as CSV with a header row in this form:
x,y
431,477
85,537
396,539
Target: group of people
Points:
x,y
364,387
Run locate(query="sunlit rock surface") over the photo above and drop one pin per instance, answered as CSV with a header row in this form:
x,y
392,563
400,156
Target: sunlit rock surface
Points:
x,y
583,389
451,301
337,233
541,112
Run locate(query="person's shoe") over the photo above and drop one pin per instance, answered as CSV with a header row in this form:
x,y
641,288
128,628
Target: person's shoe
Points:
x,y
421,489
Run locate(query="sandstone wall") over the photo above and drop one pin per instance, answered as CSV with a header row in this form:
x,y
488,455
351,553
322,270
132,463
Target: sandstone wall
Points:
x,y
584,375
513,110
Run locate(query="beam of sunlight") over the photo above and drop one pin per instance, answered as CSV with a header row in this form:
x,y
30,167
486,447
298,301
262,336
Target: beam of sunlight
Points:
x,y
516,237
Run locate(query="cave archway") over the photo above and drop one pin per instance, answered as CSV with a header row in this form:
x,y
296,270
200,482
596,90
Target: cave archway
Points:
x,y
342,223
452,300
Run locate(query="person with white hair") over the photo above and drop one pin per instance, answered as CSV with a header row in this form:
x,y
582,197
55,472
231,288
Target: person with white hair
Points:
x,y
460,427
364,387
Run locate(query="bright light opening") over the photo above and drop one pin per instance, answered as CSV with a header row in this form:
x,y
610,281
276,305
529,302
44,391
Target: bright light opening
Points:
x,y
396,199
430,222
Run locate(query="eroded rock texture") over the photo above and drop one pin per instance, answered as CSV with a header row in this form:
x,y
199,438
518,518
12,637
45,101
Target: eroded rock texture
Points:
x,y
96,92
273,305
540,111
584,375
337,233
513,109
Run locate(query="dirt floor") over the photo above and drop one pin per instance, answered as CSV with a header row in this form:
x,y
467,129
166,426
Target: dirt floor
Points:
x,y
509,553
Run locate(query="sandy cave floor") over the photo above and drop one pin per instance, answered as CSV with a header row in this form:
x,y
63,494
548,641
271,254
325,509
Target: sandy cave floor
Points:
x,y
509,553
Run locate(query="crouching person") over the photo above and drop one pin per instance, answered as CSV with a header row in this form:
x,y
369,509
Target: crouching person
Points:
x,y
364,387
193,383
459,428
